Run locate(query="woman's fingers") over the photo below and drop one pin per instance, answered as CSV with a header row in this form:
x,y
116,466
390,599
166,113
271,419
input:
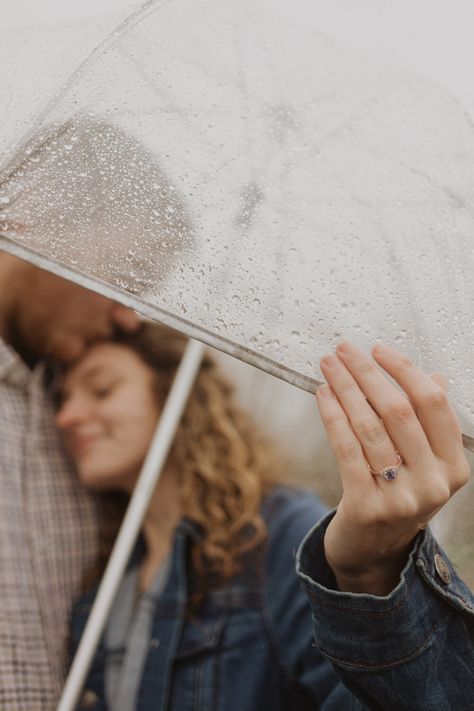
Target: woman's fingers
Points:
x,y
369,410
461,470
345,445
428,397
396,412
377,520
440,380
377,446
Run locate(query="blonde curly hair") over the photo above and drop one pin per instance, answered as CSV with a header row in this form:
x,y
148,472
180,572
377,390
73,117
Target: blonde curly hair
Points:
x,y
224,462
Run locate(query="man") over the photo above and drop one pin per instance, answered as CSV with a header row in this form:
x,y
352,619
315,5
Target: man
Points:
x,y
48,524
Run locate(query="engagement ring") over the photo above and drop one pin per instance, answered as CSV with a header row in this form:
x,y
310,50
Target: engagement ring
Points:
x,y
389,473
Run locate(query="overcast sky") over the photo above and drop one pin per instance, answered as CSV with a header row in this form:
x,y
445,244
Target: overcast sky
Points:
x,y
434,38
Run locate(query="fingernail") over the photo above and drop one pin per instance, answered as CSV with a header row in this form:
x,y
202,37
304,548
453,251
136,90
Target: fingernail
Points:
x,y
346,348
329,361
381,349
325,391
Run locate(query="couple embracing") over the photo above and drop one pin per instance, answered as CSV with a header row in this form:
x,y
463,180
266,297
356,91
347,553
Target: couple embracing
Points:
x,y
242,592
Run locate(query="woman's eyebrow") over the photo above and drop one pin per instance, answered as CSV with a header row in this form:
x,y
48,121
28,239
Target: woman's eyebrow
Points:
x,y
93,371
85,376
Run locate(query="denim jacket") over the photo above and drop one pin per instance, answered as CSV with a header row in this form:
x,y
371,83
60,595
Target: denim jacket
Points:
x,y
252,644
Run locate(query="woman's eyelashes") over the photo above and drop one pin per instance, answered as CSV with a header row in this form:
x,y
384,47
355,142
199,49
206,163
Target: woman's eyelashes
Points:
x,y
101,388
100,391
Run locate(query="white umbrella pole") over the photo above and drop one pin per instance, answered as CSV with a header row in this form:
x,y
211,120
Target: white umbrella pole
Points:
x,y
130,528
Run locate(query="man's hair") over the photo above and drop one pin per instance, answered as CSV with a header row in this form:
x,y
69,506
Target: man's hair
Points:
x,y
97,199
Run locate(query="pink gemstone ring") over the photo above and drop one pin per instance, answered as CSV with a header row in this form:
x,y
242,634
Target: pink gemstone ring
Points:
x,y
389,473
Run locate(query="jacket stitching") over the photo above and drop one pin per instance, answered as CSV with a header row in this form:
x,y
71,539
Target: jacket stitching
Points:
x,y
387,665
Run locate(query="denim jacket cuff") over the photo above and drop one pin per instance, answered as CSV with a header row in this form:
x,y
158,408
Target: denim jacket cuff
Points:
x,y
391,629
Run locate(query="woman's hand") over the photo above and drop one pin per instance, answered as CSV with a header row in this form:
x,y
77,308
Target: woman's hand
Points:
x,y
368,422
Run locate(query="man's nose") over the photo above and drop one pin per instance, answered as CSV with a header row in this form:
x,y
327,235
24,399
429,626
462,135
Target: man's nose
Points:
x,y
126,319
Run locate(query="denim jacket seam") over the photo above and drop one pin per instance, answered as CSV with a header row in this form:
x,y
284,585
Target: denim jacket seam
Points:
x,y
372,613
387,665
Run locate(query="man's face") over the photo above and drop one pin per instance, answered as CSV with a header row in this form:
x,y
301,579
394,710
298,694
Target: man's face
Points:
x,y
56,318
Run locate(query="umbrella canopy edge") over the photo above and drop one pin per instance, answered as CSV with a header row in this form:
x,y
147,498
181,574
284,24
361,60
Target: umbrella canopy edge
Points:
x,y
155,313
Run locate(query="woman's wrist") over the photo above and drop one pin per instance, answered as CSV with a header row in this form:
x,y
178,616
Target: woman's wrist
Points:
x,y
379,579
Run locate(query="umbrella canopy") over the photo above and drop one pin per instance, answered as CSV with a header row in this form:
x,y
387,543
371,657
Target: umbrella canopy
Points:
x,y
230,173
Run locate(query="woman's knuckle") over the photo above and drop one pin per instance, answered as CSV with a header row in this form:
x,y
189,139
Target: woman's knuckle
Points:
x,y
444,493
465,470
440,493
368,368
406,362
334,420
372,431
348,450
348,386
401,411
461,475
436,400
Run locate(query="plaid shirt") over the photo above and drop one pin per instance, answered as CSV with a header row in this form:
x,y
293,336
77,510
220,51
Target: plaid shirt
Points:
x,y
48,536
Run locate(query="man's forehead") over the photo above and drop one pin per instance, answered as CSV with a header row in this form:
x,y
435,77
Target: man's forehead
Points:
x,y
69,285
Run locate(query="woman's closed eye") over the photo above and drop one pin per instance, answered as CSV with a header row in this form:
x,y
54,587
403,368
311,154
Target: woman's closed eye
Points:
x,y
103,390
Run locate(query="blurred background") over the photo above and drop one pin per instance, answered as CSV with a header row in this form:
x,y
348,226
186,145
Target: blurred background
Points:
x,y
431,38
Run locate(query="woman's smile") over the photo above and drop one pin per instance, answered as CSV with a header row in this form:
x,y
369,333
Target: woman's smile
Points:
x,y
81,443
108,415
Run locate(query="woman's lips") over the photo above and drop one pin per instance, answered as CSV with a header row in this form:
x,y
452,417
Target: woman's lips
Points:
x,y
82,444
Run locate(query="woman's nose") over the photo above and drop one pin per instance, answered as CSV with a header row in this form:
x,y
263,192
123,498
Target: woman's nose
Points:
x,y
69,414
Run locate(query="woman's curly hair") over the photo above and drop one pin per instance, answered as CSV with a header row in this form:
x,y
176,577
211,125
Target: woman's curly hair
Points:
x,y
224,463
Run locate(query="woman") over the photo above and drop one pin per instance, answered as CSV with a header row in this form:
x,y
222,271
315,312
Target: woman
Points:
x,y
211,614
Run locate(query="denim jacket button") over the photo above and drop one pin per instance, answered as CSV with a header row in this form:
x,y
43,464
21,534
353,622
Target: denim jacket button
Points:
x,y
154,643
442,569
88,699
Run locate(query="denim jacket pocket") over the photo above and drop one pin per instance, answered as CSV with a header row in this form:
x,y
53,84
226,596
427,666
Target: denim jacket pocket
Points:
x,y
195,665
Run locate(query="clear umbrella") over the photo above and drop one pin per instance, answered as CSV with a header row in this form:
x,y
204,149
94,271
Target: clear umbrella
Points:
x,y
231,174
236,176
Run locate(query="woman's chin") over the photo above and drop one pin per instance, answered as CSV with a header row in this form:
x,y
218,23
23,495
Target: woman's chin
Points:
x,y
98,480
